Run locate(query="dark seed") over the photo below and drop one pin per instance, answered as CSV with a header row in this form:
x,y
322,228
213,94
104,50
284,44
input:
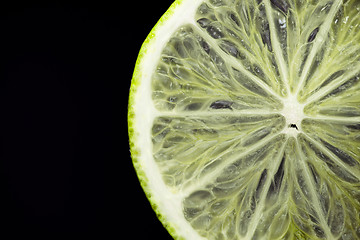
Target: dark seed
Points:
x,y
281,4
221,104
313,34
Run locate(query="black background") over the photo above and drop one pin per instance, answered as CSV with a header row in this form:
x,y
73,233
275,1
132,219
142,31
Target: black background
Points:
x,y
65,74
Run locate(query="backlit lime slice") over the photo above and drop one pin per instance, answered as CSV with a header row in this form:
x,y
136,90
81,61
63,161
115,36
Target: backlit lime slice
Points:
x,y
244,119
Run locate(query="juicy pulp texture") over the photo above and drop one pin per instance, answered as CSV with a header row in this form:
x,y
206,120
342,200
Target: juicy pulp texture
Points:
x,y
256,130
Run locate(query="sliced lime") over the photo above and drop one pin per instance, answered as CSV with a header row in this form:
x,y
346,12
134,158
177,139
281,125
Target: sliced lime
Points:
x,y
244,119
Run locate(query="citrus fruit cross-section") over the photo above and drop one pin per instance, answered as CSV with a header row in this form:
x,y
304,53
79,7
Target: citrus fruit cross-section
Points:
x,y
244,119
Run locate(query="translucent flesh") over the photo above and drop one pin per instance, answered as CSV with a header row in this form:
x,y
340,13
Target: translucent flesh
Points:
x,y
224,139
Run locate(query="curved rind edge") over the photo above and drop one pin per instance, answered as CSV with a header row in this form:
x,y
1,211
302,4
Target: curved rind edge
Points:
x,y
135,152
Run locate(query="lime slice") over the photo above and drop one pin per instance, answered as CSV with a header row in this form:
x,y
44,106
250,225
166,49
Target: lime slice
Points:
x,y
244,119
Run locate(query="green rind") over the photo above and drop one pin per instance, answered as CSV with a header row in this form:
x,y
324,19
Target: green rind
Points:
x,y
135,151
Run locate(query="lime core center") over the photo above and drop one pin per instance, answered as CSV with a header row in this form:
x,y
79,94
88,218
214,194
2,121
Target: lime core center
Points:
x,y
293,111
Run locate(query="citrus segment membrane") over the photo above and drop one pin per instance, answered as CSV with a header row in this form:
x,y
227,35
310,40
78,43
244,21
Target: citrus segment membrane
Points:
x,y
193,76
219,140
255,128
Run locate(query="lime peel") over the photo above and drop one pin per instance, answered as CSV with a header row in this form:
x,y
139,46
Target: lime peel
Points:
x,y
138,156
